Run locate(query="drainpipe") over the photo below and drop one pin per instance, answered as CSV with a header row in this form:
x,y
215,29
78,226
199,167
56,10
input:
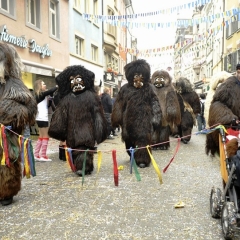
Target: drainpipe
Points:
x,y
222,58
102,24
102,43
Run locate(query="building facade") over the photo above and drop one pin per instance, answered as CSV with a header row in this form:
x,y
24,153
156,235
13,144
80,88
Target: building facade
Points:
x,y
34,28
216,44
231,52
86,36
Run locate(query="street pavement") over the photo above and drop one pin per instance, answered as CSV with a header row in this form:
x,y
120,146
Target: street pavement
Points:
x,y
56,205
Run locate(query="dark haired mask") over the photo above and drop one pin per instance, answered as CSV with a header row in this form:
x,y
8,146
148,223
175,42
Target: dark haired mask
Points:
x,y
138,80
77,84
159,82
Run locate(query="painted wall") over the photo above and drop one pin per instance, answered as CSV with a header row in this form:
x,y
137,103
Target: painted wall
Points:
x,y
91,33
59,48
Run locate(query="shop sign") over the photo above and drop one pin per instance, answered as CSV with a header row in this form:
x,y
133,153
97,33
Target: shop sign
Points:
x,y
23,43
109,77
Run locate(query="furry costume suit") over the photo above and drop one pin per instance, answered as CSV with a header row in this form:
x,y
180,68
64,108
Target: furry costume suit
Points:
x,y
215,81
189,105
171,115
18,108
224,107
137,110
78,117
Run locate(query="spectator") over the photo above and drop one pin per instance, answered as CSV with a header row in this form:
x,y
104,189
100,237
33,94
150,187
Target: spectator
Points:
x,y
238,71
200,117
107,107
41,95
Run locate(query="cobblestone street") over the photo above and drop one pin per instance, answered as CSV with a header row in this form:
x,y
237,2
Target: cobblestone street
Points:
x,y
55,205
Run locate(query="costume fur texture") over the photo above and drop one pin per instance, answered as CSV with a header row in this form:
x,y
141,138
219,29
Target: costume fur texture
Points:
x,y
215,81
78,118
171,114
232,147
190,106
224,107
137,110
18,108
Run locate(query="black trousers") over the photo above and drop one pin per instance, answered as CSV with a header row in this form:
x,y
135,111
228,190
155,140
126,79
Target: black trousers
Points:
x,y
108,118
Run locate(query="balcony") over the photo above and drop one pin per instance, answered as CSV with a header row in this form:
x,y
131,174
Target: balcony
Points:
x,y
109,47
196,69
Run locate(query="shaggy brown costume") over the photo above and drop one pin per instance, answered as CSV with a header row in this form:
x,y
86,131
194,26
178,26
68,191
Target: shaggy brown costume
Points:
x,y
137,110
18,108
224,107
190,106
171,115
232,147
78,117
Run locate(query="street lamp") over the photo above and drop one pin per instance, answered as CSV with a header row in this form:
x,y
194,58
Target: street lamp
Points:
x,y
119,76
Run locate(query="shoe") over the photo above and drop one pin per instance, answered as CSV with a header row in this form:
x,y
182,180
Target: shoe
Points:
x,y
45,159
37,158
110,137
6,201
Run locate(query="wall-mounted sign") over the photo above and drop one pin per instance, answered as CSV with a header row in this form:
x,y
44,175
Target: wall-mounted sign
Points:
x,y
109,77
23,43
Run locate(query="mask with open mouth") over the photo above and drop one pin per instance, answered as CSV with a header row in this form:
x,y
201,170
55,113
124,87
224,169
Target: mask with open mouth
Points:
x,y
138,81
159,82
77,84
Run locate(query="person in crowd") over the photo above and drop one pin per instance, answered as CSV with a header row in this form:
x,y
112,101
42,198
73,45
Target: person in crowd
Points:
x,y
18,109
200,117
41,95
78,118
107,107
224,109
113,132
137,111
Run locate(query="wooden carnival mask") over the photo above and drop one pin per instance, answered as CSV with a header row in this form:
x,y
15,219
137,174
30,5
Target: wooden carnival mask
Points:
x,y
159,82
77,84
138,80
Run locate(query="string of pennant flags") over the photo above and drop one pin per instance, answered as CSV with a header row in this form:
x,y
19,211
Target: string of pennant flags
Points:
x,y
232,16
171,50
28,162
166,11
122,21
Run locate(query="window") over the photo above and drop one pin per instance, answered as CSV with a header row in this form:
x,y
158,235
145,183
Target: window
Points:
x,y
229,63
54,19
8,7
111,28
33,13
232,26
86,6
95,7
5,5
238,56
94,53
79,43
77,4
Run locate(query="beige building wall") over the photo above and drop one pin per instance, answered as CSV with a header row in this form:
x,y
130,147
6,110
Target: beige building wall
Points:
x,y
18,27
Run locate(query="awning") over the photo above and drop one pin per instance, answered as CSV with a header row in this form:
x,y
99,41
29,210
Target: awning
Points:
x,y
41,69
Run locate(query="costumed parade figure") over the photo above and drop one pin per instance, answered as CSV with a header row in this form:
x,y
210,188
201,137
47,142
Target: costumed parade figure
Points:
x,y
215,81
78,118
171,115
224,109
18,109
137,111
190,106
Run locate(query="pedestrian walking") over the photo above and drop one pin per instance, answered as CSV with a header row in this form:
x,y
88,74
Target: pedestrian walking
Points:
x,y
41,95
107,107
200,117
